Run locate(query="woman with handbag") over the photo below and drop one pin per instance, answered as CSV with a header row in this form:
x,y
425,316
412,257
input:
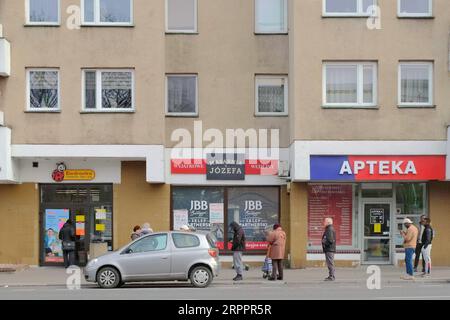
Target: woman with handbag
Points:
x,y
67,236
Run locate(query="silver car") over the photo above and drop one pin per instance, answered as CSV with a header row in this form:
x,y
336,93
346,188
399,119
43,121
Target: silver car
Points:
x,y
161,256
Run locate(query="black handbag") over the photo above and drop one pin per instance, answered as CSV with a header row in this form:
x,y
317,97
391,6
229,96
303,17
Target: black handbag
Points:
x,y
68,245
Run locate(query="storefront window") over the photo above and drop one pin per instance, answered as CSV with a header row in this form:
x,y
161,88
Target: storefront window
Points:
x,y
334,201
256,210
201,208
411,198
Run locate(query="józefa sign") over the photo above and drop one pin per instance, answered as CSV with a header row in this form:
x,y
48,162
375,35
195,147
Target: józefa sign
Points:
x,y
375,168
198,166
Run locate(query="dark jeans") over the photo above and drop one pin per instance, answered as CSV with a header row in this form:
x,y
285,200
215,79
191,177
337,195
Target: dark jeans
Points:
x,y
409,260
69,258
416,260
329,256
277,268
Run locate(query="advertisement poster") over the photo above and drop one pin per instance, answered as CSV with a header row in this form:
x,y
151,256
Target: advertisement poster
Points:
x,y
216,213
54,221
256,210
180,218
334,201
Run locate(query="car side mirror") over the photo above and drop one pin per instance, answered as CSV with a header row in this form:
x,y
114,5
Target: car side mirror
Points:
x,y
128,251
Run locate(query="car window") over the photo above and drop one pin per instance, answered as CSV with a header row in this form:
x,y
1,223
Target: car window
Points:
x,y
182,240
155,242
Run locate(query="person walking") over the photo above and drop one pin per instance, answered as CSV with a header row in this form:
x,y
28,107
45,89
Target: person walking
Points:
x,y
427,238
329,247
67,236
277,243
409,243
146,229
136,233
238,247
420,244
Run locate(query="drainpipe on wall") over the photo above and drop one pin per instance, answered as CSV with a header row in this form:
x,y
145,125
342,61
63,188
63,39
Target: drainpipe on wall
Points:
x,y
448,154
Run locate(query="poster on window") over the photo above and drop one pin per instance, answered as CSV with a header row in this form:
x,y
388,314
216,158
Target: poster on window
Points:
x,y
201,208
334,201
54,221
256,209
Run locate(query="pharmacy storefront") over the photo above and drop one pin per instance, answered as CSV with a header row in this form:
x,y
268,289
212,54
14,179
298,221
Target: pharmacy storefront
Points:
x,y
368,197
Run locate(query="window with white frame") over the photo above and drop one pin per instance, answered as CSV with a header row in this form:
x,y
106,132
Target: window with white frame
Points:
x,y
350,84
271,16
181,95
43,90
43,12
107,12
181,16
347,7
415,8
271,95
416,84
108,90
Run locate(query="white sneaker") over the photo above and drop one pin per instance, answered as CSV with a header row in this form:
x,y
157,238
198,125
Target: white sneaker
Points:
x,y
407,277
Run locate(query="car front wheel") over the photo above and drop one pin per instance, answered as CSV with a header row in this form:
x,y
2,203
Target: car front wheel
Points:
x,y
108,278
201,277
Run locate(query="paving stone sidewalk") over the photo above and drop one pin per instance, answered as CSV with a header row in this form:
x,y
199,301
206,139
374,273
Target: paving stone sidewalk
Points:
x,y
55,276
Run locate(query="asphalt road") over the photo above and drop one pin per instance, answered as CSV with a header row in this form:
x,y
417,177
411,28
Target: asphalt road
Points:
x,y
242,291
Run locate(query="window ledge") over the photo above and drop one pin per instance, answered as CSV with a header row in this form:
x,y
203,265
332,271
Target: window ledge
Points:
x,y
406,106
358,16
54,25
351,107
107,111
182,115
416,17
271,33
107,25
259,115
187,33
43,111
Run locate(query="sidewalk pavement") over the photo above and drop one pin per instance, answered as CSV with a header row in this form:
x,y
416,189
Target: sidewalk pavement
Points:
x,y
56,276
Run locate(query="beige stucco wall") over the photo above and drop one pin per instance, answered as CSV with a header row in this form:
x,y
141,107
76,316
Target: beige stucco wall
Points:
x,y
19,224
298,226
137,202
226,55
314,39
440,219
140,47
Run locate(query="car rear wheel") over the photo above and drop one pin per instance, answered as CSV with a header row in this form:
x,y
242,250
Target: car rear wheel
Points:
x,y
108,278
201,277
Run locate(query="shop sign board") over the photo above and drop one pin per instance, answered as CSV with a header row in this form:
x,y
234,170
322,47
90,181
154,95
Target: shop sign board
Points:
x,y
61,173
377,168
225,167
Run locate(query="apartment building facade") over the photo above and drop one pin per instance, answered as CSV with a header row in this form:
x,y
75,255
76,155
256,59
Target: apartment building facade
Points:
x,y
109,111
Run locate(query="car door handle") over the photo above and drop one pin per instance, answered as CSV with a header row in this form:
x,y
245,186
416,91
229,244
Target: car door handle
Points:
x,y
165,258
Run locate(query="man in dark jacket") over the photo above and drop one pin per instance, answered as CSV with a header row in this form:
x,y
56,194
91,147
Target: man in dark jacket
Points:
x,y
67,236
238,246
427,239
329,247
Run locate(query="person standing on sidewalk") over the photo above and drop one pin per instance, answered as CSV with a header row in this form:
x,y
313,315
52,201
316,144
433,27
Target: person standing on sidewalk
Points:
x,y
419,245
67,236
146,229
409,243
329,247
238,246
427,238
136,233
277,243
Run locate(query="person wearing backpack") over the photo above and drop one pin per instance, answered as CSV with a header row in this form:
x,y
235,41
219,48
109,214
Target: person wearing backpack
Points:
x,y
67,236
427,239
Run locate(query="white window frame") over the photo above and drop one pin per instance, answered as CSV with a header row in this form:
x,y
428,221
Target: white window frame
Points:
x,y
276,80
181,114
41,23
28,90
359,12
430,66
360,85
285,26
97,21
98,92
412,15
195,30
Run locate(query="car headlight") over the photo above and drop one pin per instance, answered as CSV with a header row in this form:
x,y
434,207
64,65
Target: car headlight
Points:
x,y
92,263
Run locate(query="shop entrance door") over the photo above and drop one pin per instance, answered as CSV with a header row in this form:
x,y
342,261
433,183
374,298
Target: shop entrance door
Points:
x,y
377,226
90,209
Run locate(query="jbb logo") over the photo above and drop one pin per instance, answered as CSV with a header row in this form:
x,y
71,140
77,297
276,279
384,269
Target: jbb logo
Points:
x,y
252,205
199,205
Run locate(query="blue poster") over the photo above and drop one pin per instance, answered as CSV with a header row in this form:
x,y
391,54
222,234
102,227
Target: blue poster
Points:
x,y
54,221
